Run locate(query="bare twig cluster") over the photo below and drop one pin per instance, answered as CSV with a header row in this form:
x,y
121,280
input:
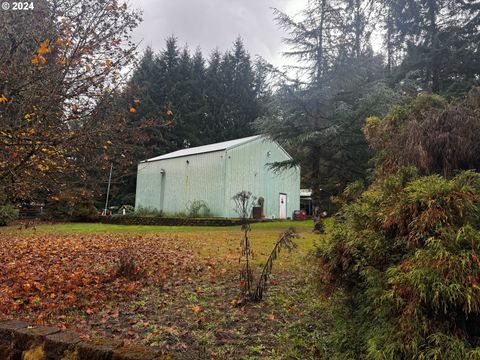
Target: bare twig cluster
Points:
x,y
285,241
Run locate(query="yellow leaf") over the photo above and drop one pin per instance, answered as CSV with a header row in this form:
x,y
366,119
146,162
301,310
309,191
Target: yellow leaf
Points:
x,y
35,60
132,109
42,167
3,99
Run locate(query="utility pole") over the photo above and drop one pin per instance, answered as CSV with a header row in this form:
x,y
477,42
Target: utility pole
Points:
x,y
108,190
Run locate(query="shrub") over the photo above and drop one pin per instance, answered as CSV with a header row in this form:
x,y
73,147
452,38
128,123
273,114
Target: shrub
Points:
x,y
198,208
148,212
401,267
71,205
127,267
168,221
429,133
7,213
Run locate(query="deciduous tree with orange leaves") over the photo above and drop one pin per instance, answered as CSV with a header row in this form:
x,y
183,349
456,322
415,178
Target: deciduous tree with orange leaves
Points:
x,y
58,61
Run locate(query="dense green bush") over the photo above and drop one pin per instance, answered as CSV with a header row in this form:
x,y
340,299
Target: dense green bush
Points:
x,y
401,265
7,214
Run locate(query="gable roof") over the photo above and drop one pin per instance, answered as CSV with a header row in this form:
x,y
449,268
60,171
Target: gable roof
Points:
x,y
205,148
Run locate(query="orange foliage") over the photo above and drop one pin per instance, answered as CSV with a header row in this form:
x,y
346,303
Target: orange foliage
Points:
x,y
43,276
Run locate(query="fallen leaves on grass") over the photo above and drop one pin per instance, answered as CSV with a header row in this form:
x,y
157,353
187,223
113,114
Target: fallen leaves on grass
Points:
x,y
186,303
41,276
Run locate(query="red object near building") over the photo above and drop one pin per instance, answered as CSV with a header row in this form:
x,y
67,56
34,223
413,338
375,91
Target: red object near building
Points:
x,y
299,215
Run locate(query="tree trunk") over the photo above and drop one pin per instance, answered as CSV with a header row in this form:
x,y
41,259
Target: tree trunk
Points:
x,y
358,29
320,56
316,191
389,42
432,44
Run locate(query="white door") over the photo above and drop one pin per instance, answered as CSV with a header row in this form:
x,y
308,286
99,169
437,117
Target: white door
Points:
x,y
283,206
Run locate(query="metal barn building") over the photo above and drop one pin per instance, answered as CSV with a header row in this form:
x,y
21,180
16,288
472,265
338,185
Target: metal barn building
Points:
x,y
215,173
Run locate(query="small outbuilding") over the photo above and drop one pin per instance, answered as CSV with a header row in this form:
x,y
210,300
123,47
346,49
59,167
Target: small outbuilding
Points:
x,y
213,174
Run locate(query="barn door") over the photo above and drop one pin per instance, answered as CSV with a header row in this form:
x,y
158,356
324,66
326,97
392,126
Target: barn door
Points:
x,y
283,206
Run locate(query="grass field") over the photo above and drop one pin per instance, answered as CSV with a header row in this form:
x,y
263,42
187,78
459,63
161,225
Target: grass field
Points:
x,y
83,228
186,301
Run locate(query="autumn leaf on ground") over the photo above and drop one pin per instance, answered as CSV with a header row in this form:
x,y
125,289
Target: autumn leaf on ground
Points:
x,y
44,47
130,287
196,309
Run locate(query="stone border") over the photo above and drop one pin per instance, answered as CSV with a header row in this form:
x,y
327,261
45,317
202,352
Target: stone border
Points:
x,y
20,341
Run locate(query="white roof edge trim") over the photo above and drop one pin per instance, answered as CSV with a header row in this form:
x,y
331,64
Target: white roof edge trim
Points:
x,y
266,138
225,145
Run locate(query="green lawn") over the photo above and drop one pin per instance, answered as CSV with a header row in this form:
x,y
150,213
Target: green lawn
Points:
x,y
85,228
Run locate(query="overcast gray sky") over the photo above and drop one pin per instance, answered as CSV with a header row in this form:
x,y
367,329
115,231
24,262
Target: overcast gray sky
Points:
x,y
209,24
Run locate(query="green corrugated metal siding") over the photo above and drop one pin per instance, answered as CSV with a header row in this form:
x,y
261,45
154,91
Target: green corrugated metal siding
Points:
x,y
216,177
247,169
199,179
148,186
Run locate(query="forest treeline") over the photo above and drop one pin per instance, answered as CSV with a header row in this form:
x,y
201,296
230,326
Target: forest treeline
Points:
x,y
69,103
181,99
317,108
